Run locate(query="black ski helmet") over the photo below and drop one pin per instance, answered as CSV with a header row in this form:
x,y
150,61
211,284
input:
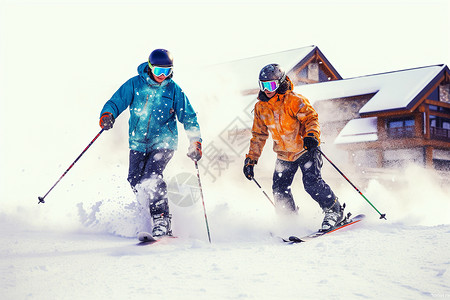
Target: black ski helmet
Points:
x,y
272,72
161,57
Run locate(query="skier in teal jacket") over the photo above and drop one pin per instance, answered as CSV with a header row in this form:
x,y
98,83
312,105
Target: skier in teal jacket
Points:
x,y
155,102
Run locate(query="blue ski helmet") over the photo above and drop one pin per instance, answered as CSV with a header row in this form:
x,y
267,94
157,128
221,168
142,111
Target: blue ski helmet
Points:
x,y
161,57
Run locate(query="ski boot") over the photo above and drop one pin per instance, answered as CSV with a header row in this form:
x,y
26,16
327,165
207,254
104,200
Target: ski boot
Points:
x,y
161,225
333,215
159,211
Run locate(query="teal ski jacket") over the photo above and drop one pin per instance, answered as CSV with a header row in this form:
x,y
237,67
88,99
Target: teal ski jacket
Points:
x,y
154,109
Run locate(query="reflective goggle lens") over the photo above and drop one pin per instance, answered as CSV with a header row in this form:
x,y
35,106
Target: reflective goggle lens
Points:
x,y
270,86
158,71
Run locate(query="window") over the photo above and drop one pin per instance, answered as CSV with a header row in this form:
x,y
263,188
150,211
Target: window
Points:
x,y
393,158
313,71
439,122
303,73
439,108
401,128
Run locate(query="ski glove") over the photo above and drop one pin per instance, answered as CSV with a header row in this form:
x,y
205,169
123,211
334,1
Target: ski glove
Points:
x,y
107,121
195,151
248,168
310,142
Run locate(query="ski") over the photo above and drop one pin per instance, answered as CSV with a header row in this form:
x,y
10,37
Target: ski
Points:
x,y
146,238
343,224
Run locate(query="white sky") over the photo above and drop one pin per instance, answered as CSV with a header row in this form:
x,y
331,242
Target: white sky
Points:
x,y
61,60
359,37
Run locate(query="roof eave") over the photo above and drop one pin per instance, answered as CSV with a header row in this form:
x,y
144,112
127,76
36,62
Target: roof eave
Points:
x,y
414,103
305,59
310,55
329,65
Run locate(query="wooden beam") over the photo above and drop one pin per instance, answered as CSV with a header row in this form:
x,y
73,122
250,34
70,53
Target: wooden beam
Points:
x,y
329,72
316,57
427,123
394,113
306,80
437,103
418,125
428,159
435,86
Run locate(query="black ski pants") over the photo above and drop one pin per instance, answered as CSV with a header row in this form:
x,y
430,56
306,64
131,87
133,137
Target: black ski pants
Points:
x,y
150,166
311,164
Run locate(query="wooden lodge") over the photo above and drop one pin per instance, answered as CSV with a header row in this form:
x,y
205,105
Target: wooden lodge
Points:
x,y
380,121
390,119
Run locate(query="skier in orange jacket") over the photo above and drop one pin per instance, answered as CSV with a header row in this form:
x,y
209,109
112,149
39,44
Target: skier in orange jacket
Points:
x,y
295,130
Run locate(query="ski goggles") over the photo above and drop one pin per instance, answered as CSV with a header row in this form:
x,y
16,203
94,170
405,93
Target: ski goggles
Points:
x,y
270,86
158,71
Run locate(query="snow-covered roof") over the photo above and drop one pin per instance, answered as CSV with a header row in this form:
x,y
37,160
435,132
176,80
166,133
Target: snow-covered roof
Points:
x,y
393,90
358,130
244,73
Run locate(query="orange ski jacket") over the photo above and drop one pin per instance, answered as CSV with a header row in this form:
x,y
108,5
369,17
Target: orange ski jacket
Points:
x,y
288,117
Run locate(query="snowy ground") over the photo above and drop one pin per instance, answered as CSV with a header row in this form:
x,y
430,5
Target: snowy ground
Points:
x,y
65,249
368,262
80,244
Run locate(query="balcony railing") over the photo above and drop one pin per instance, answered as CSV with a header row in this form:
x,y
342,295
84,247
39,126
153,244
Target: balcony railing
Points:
x,y
401,132
439,133
409,131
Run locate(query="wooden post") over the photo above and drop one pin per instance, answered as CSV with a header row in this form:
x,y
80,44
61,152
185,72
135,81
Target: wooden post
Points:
x,y
428,157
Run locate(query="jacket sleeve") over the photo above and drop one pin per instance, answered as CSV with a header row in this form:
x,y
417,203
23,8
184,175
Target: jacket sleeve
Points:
x,y
260,133
121,99
186,115
307,116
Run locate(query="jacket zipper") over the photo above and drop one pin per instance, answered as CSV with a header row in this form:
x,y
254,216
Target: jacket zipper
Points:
x,y
149,118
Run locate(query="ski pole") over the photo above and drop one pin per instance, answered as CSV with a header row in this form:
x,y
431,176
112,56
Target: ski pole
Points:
x,y
203,201
382,216
41,199
270,200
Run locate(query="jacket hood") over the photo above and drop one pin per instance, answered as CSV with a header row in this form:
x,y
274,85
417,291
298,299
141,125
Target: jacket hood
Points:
x,y
142,71
286,86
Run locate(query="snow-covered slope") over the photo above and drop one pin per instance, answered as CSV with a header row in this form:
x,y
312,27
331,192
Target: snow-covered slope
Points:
x,y
373,261
72,249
